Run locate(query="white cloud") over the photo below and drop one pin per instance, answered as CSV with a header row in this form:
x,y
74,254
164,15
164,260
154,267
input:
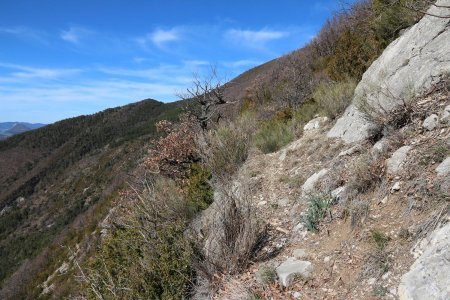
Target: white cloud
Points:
x,y
160,37
241,63
26,72
254,38
75,34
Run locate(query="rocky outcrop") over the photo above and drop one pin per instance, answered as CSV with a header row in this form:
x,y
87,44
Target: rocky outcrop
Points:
x,y
429,276
409,66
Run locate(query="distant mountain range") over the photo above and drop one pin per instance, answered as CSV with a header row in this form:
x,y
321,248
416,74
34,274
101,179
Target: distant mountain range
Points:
x,y
8,129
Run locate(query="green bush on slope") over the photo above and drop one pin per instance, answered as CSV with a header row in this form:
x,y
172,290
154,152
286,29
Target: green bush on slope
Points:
x,y
199,192
149,258
333,98
273,135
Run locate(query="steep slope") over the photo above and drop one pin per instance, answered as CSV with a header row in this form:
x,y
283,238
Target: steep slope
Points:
x,y
364,215
53,179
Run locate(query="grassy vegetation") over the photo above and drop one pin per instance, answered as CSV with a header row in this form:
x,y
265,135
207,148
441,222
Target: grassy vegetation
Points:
x,y
318,205
150,257
228,150
379,239
267,275
273,135
333,98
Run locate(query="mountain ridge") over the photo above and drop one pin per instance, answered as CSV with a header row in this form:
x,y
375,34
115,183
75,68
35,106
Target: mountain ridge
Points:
x,y
8,129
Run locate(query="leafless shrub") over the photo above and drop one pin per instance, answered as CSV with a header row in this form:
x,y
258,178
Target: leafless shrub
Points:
x,y
377,259
357,211
364,173
208,96
233,234
431,223
376,264
226,150
385,118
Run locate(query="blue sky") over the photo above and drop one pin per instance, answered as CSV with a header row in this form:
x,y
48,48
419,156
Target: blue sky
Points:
x,y
63,58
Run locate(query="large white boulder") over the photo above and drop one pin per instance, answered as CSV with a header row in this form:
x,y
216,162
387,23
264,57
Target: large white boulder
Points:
x,y
429,276
408,66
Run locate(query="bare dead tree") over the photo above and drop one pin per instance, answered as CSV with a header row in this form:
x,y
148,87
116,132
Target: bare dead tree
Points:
x,y
208,95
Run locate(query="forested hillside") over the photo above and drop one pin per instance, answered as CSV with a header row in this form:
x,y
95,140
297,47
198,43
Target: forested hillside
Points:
x,y
54,180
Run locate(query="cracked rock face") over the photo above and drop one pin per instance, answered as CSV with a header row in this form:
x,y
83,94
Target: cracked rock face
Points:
x,y
429,276
409,66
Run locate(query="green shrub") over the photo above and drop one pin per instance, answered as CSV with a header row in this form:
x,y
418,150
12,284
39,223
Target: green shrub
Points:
x,y
318,205
355,51
379,238
306,111
273,135
199,192
389,17
380,291
149,257
267,275
333,98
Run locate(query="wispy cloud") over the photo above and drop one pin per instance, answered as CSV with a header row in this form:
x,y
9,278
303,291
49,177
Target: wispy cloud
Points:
x,y
25,33
178,74
254,38
75,34
160,37
26,72
241,63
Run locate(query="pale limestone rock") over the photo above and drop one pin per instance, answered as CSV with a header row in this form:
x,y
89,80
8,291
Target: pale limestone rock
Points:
x,y
299,253
397,160
350,151
431,122
444,167
315,123
311,182
409,66
429,276
445,117
291,268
